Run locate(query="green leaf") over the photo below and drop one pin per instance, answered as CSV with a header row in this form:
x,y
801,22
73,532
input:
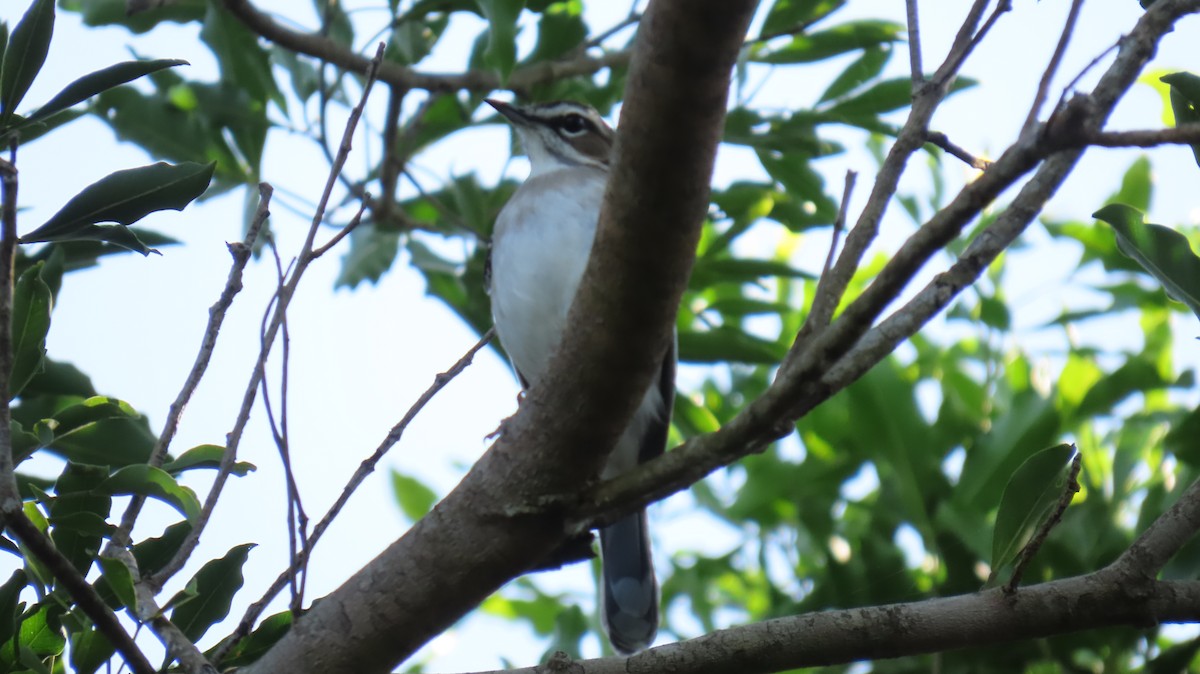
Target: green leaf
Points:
x,y
1185,102
97,430
560,29
251,648
146,480
709,272
501,52
818,46
1031,491
1137,186
214,586
371,253
153,554
726,343
885,96
90,650
864,69
414,498
10,594
243,62
205,456
125,197
786,15
25,54
120,580
32,303
102,80
1162,251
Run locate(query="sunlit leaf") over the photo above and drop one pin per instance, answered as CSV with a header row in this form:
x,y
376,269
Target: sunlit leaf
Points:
x,y
146,480
414,498
1162,251
1030,492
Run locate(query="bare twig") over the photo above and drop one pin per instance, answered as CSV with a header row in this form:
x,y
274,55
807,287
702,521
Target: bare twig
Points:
x,y
1185,134
840,223
1052,68
914,44
283,299
1002,6
365,468
84,594
350,227
1035,543
824,302
216,317
943,141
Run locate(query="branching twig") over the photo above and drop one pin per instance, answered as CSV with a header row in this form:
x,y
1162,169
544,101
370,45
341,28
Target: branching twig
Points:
x,y
84,594
283,300
1060,50
943,141
216,317
350,227
1035,543
1185,134
365,468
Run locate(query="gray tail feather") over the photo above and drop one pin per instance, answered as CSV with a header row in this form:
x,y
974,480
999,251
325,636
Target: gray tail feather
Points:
x,y
630,592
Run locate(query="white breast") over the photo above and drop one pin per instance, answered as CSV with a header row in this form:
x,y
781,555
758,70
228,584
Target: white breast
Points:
x,y
540,247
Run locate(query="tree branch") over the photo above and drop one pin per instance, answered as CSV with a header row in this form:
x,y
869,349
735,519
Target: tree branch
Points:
x,y
507,513
871,633
321,47
84,595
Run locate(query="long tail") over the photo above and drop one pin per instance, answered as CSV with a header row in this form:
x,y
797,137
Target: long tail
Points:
x,y
630,592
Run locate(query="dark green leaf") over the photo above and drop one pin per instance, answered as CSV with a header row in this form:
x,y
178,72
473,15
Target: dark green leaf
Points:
x,y
10,594
125,197
1031,422
25,54
885,96
32,302
709,272
90,650
1185,102
560,29
102,80
1165,253
847,37
205,456
146,480
411,41
1137,186
98,430
415,499
153,554
214,585
1031,491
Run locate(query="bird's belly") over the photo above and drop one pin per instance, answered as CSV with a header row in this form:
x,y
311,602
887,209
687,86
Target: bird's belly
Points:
x,y
535,273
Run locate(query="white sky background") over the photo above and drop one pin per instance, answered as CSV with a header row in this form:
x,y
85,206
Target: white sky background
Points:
x,y
359,359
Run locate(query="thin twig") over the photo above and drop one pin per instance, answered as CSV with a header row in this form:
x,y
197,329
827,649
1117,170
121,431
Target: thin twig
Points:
x,y
216,317
943,141
234,437
1184,134
364,469
1002,7
84,594
1031,548
838,226
350,227
1060,50
914,45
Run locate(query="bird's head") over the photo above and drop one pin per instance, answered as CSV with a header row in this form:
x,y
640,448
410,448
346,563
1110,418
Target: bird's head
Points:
x,y
559,134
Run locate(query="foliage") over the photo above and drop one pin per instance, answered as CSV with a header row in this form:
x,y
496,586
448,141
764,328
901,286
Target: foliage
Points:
x,y
960,459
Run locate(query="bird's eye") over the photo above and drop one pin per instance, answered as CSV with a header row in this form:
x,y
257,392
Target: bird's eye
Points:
x,y
573,124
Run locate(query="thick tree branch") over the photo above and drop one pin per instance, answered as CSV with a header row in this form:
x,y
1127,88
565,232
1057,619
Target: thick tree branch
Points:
x,y
1163,538
507,513
872,633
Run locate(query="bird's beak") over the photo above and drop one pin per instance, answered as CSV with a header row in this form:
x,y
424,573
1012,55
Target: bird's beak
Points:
x,y
512,112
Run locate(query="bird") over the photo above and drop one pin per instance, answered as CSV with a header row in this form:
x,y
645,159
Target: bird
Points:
x,y
540,246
